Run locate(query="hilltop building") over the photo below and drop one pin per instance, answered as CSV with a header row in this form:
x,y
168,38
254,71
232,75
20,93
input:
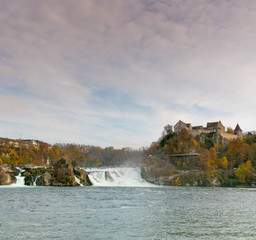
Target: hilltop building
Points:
x,y
20,143
215,128
238,131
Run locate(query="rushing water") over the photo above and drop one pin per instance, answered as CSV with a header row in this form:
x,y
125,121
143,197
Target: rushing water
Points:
x,y
127,213
122,176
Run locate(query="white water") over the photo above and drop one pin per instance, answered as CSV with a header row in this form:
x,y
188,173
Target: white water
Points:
x,y
117,177
78,181
34,183
20,180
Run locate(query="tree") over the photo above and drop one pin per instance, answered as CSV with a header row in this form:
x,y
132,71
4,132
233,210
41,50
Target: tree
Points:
x,y
206,162
233,152
230,130
222,163
244,172
184,135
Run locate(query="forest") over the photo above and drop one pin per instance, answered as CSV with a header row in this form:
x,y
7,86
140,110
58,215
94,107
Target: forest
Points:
x,y
174,153
15,152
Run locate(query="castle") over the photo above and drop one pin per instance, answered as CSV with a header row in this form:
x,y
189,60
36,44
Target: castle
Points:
x,y
216,128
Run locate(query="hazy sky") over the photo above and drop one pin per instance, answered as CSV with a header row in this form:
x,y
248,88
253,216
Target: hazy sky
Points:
x,y
115,72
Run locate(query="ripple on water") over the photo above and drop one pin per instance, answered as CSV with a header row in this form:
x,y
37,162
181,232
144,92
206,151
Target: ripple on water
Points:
x,y
127,213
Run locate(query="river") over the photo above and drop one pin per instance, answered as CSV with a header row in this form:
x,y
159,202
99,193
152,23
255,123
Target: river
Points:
x,y
131,212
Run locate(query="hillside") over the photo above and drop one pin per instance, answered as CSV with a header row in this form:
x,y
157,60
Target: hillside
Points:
x,y
180,159
38,153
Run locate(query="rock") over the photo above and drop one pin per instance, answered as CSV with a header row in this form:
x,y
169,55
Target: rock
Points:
x,y
64,176
38,181
83,176
215,178
108,177
5,178
64,173
63,163
214,182
32,175
7,174
28,180
46,179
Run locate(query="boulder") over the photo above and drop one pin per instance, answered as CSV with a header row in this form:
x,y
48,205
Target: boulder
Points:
x,y
83,176
46,179
64,174
7,174
5,178
28,180
33,175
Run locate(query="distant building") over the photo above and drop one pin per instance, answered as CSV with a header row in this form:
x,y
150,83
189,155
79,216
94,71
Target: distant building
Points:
x,y
179,126
211,127
19,143
168,129
238,131
214,126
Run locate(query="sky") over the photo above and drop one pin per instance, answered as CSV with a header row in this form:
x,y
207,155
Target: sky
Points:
x,y
115,72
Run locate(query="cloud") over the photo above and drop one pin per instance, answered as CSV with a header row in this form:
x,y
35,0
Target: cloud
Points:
x,y
84,69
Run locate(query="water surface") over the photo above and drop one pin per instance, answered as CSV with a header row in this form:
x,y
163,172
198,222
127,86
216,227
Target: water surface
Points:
x,y
127,213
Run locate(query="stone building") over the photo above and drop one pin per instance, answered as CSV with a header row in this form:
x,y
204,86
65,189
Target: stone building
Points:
x,y
211,127
180,125
238,131
214,126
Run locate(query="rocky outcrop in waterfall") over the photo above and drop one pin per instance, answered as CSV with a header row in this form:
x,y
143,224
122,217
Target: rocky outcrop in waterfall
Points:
x,y
63,173
7,174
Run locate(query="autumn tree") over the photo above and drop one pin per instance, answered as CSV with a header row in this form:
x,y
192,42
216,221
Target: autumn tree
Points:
x,y
230,130
244,172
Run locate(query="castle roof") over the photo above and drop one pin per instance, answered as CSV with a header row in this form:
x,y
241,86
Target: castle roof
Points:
x,y
180,122
212,124
237,128
197,127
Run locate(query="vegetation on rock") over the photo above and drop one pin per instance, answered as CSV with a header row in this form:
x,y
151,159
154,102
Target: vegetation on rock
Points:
x,y
180,159
64,173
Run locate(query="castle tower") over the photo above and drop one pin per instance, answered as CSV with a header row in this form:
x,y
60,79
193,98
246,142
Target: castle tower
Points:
x,y
238,131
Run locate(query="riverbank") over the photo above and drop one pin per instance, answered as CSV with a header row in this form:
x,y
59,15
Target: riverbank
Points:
x,y
215,178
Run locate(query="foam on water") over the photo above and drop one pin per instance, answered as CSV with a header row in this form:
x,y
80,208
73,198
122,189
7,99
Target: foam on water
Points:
x,y
19,180
78,181
121,176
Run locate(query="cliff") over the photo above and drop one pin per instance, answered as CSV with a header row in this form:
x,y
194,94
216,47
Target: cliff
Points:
x,y
215,178
182,160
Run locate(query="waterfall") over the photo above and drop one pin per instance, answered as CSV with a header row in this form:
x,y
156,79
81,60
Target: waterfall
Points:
x,y
34,183
78,181
19,180
117,177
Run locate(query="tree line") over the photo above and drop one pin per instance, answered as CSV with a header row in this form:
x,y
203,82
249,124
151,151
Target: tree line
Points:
x,y
85,156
